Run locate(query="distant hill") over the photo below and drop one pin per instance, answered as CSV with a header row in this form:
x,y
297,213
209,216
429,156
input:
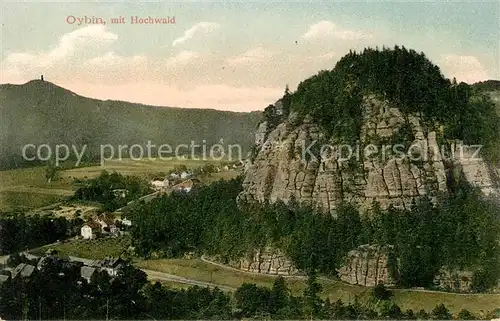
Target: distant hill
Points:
x,y
492,87
488,85
40,112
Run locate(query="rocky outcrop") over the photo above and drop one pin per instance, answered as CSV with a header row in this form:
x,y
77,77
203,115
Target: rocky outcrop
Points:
x,y
266,261
475,170
296,160
454,281
368,265
260,134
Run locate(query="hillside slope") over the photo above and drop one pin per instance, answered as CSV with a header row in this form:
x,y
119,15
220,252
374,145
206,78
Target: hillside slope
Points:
x,y
40,112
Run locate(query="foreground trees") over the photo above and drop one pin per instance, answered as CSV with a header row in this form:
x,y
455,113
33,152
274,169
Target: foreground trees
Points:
x,y
57,292
461,232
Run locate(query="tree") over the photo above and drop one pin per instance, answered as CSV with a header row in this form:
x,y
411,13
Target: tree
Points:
x,y
312,301
422,315
466,315
391,310
252,300
379,292
50,173
440,312
279,297
286,101
287,90
409,315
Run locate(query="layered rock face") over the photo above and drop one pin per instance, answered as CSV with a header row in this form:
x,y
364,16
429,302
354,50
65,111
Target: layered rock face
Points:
x,y
266,261
456,281
296,160
368,265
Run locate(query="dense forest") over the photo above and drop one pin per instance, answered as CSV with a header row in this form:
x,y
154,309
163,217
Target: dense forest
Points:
x,y
57,292
461,232
19,232
407,80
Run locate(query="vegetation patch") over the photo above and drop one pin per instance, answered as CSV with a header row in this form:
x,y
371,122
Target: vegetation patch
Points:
x,y
407,80
90,249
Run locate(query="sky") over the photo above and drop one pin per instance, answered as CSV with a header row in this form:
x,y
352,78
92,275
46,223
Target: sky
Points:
x,y
231,55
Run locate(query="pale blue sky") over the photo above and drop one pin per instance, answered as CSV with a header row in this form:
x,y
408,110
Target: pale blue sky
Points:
x,y
238,55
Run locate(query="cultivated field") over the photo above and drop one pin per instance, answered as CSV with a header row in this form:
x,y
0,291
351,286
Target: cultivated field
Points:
x,y
137,167
27,189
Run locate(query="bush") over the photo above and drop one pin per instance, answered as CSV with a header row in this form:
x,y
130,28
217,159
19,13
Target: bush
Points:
x,y
466,315
380,292
440,312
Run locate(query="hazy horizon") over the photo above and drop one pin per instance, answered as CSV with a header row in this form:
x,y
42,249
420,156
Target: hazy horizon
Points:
x,y
228,55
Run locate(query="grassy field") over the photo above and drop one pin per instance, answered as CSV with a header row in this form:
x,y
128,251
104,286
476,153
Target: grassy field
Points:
x,y
198,270
454,302
90,249
137,167
221,175
27,188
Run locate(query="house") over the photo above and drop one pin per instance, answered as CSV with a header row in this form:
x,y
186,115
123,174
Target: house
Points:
x,y
109,264
87,272
105,222
64,260
125,221
41,262
159,185
114,230
121,192
156,184
187,185
23,270
185,175
89,230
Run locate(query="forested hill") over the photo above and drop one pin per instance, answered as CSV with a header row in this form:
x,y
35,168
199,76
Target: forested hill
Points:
x,y
488,85
40,112
407,80
492,87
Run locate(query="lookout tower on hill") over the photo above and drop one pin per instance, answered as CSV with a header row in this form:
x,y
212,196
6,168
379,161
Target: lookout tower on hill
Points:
x,y
41,77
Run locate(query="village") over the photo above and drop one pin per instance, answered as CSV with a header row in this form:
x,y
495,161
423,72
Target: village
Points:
x,y
88,267
116,223
103,225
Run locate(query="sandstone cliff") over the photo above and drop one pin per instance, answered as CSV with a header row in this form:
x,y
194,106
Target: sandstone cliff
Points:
x,y
368,265
291,161
266,261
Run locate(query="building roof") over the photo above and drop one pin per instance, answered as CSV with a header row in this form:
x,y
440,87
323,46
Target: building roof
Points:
x,y
93,225
187,184
3,278
109,262
105,219
87,272
41,262
23,270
